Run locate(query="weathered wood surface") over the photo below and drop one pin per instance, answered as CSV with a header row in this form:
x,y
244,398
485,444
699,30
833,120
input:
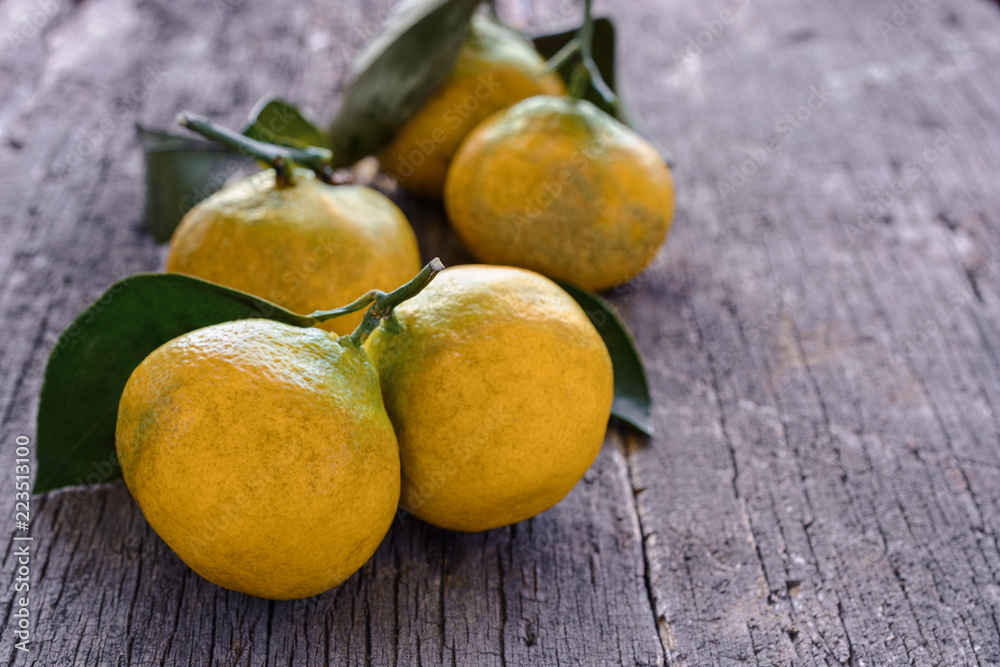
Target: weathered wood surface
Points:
x,y
823,341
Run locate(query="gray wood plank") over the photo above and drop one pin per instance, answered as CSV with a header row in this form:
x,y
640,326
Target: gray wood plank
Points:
x,y
822,489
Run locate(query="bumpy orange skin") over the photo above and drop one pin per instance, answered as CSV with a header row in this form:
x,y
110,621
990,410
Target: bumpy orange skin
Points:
x,y
262,455
500,390
559,187
494,69
308,247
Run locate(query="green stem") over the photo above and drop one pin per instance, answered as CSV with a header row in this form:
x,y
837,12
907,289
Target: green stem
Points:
x,y
386,302
578,81
282,158
586,34
363,301
600,84
588,72
563,55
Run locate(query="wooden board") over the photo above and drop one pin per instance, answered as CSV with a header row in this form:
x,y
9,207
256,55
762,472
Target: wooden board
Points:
x,y
821,331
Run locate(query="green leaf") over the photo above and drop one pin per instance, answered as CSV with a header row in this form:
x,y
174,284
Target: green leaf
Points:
x,y
395,73
94,357
279,122
180,172
604,55
632,403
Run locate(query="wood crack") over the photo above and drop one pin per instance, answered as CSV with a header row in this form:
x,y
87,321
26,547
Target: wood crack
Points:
x,y
647,580
502,591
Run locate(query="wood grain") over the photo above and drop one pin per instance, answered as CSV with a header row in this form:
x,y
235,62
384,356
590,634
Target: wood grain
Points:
x,y
822,337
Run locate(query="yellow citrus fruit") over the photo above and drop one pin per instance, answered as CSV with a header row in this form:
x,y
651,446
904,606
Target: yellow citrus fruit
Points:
x,y
500,390
262,454
555,185
310,246
495,68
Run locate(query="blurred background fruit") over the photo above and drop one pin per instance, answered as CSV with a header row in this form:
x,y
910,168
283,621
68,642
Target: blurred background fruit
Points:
x,y
496,67
555,185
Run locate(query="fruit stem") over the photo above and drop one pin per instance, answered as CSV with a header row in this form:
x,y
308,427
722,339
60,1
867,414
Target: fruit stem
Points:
x,y
386,302
282,158
563,55
588,71
361,302
586,33
578,81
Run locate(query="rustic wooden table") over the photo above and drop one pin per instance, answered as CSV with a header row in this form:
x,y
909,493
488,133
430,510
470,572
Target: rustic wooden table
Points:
x,y
822,332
